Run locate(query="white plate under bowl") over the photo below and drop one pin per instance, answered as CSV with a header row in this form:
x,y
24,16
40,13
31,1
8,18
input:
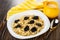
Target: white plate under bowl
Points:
x,y
29,12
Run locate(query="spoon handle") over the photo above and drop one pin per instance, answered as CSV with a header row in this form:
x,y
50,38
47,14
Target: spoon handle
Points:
x,y
47,36
49,33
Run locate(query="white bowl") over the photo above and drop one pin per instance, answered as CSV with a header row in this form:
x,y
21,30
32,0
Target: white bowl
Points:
x,y
29,12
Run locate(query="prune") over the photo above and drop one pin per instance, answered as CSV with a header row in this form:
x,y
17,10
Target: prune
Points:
x,y
25,18
35,17
16,21
26,28
34,29
38,24
18,26
31,22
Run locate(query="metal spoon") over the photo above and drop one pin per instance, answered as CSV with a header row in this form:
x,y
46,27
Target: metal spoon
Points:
x,y
54,24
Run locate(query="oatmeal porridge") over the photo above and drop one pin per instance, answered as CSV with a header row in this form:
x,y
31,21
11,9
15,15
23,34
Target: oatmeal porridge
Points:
x,y
28,25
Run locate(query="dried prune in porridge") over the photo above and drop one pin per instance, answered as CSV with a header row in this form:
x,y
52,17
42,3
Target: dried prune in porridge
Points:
x,y
31,22
26,17
35,17
18,26
34,29
16,21
26,28
39,24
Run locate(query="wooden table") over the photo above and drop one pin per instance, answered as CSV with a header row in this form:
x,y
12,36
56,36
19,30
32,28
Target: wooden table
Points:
x,y
5,35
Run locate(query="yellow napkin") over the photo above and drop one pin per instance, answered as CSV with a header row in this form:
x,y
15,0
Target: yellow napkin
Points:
x,y
27,5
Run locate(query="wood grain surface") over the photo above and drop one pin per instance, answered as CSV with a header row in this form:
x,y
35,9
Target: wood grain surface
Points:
x,y
5,35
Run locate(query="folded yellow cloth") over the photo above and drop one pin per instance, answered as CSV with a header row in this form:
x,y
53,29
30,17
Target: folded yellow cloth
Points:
x,y
27,5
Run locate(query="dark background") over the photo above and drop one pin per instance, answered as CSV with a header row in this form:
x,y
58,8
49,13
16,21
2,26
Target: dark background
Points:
x,y
5,5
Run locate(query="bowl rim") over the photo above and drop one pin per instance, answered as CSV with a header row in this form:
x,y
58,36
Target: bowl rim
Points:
x,y
34,12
